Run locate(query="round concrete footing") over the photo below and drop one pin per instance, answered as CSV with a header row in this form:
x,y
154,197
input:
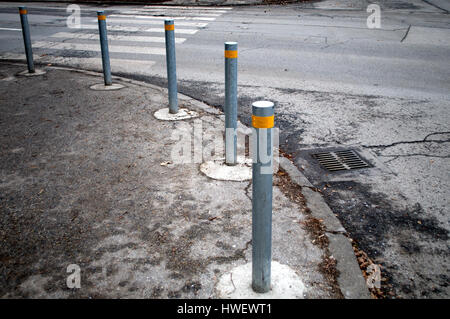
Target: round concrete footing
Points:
x,y
103,87
237,284
182,114
36,73
217,169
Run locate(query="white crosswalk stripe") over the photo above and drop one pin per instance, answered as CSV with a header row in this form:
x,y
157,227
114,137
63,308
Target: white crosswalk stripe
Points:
x,y
113,37
173,17
134,36
197,16
144,20
10,29
85,62
96,47
137,29
185,8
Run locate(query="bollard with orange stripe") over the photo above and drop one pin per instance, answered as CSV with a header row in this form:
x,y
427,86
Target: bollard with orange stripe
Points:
x,y
169,28
104,47
27,38
230,103
262,172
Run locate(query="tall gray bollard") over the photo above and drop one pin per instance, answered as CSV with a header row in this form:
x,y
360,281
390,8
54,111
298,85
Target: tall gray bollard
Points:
x,y
171,65
262,171
104,47
230,103
26,38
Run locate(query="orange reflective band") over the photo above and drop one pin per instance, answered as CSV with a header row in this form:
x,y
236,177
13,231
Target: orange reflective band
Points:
x,y
23,11
102,17
263,121
169,27
231,54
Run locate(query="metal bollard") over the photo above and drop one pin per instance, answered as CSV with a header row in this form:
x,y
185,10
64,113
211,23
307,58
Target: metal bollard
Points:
x,y
104,46
26,38
171,65
230,103
262,122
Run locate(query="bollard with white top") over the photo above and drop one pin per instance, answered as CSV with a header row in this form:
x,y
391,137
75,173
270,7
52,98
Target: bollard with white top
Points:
x,y
26,38
169,28
262,176
231,54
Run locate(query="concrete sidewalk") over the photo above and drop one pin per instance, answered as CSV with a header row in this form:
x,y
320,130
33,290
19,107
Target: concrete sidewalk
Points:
x,y
87,178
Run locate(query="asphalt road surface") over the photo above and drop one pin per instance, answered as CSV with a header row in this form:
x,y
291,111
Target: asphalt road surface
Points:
x,y
337,84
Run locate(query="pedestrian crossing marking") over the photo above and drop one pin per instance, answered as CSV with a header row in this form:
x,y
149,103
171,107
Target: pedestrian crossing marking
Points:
x,y
188,13
124,26
96,47
85,62
137,29
113,37
114,18
10,29
186,8
173,17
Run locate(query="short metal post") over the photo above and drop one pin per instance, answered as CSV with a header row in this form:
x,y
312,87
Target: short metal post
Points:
x,y
262,122
104,46
171,65
26,38
230,103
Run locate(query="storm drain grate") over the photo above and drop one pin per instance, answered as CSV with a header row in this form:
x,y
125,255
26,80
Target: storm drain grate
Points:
x,y
340,160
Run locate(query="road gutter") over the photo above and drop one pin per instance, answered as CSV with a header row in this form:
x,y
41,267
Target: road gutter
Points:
x,y
350,279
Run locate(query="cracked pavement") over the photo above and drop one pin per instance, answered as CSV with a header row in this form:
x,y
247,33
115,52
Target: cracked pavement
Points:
x,y
397,211
380,93
81,185
338,84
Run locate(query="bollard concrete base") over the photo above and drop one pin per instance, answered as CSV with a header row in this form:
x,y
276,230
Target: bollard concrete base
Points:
x,y
237,284
36,73
103,87
217,169
182,114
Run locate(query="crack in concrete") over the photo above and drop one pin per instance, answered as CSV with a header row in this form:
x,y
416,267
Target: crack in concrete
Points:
x,y
434,5
247,190
435,133
396,156
257,48
425,140
406,34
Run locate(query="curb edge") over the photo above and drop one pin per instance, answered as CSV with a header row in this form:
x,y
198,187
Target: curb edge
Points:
x,y
350,280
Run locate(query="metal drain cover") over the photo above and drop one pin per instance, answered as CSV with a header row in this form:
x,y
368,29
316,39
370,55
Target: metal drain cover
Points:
x,y
340,160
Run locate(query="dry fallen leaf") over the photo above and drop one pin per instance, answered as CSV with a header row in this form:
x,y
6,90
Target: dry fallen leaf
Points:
x,y
165,163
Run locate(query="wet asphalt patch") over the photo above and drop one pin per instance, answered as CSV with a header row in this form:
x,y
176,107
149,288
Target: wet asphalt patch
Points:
x,y
373,222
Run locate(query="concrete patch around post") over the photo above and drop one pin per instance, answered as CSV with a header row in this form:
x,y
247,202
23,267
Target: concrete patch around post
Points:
x,y
237,284
36,73
103,87
7,78
182,114
217,169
